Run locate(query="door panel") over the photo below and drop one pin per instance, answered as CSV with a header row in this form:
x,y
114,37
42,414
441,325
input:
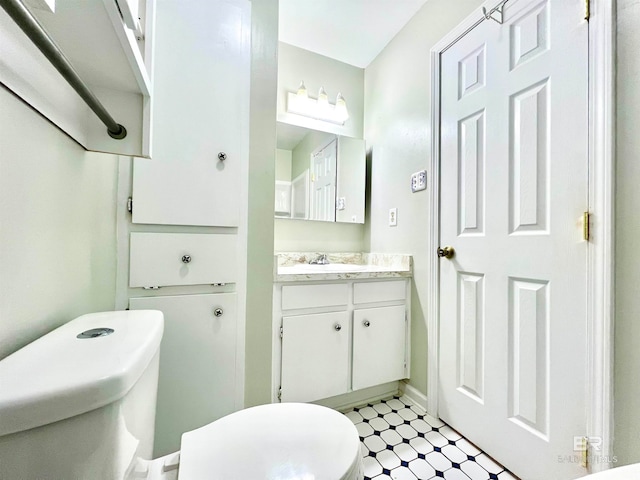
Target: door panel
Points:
x,y
197,363
514,176
200,110
379,345
315,356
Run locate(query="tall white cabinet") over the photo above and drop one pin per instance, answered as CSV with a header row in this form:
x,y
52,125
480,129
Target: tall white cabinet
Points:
x,y
186,235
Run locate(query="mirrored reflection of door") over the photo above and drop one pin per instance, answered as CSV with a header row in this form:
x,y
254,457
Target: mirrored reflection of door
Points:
x,y
323,182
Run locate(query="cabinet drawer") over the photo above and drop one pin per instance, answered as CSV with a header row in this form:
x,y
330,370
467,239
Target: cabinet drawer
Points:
x,y
311,296
156,259
379,291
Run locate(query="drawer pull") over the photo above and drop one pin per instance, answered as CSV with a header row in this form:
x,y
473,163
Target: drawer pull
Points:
x,y
186,259
218,312
222,156
366,323
338,327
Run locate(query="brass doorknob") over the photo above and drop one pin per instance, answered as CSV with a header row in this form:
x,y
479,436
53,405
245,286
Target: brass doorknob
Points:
x,y
446,252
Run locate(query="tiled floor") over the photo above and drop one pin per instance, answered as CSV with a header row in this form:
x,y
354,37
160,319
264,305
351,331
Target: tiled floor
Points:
x,y
400,441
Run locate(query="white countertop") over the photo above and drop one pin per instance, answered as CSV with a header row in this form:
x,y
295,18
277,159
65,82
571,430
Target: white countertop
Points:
x,y
295,266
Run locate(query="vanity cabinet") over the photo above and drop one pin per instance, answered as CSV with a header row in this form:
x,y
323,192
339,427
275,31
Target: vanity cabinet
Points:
x,y
200,117
197,381
337,337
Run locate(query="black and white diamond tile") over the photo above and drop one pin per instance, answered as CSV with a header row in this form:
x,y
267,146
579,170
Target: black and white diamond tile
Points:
x,y
400,441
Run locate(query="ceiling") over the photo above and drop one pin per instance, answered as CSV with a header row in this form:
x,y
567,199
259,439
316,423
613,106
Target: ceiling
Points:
x,y
351,31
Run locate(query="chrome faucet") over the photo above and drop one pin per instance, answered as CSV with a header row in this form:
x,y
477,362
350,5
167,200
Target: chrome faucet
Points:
x,y
321,260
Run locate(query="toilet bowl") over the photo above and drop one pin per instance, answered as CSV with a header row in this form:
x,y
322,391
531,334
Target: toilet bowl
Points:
x,y
80,403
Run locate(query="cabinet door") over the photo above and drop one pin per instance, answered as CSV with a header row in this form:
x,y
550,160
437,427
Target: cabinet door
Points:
x,y
315,356
201,90
197,363
379,345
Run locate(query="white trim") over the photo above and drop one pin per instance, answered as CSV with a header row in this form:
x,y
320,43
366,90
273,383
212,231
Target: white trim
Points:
x,y
415,395
601,261
347,401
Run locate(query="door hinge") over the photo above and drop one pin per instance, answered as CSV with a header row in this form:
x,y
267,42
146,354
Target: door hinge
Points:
x,y
130,205
586,226
583,447
587,9
281,332
279,393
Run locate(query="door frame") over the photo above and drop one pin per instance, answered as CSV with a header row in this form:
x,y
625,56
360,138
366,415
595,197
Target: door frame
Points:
x,y
600,248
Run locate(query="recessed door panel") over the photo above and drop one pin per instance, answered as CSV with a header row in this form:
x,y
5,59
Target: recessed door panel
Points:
x,y
529,353
470,334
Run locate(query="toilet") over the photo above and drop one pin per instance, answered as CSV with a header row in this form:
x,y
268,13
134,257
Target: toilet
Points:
x,y
79,403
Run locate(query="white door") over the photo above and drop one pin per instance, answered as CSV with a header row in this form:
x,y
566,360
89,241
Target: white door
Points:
x,y
513,190
379,345
323,183
315,356
197,363
200,115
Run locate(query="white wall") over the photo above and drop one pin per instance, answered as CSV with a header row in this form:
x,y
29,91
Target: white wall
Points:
x,y
283,165
296,64
57,227
627,320
310,236
397,125
262,148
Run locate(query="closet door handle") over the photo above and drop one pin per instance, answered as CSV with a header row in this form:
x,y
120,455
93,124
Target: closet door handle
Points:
x,y
186,259
366,323
337,327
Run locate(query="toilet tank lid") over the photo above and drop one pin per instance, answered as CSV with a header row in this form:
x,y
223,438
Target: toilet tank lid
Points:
x,y
59,375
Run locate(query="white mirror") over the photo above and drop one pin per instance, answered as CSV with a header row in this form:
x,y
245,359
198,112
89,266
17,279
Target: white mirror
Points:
x,y
319,176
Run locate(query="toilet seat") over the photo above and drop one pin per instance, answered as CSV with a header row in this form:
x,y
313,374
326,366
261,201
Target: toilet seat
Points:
x,y
277,442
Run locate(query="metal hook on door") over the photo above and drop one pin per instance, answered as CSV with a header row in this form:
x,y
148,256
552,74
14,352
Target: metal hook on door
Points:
x,y
497,10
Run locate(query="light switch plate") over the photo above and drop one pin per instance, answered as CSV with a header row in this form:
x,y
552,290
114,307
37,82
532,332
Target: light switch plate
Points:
x,y
419,181
393,217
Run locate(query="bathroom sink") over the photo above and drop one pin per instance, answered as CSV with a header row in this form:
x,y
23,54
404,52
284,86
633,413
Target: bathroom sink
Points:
x,y
305,268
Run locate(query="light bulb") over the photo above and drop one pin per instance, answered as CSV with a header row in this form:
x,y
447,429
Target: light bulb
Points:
x,y
341,108
323,99
302,91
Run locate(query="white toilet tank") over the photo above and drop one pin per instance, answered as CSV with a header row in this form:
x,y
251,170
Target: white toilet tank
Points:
x,y
76,406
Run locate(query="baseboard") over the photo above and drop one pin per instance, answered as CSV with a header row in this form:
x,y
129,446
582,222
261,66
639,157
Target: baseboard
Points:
x,y
360,397
415,395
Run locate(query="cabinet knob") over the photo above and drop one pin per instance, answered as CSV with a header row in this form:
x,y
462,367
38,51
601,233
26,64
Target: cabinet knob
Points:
x,y
218,312
186,259
366,323
338,327
222,156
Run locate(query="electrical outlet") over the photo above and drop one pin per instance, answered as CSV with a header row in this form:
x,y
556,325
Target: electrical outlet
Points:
x,y
419,181
393,217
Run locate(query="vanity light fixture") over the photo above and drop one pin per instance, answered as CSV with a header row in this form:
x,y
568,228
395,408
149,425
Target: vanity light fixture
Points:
x,y
301,103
